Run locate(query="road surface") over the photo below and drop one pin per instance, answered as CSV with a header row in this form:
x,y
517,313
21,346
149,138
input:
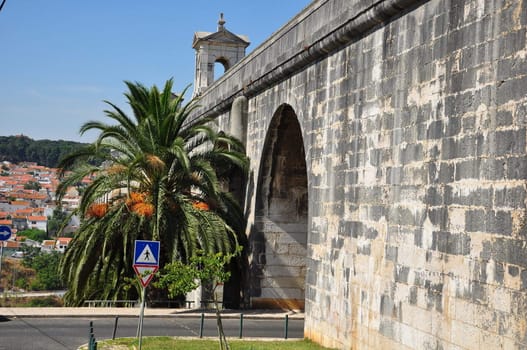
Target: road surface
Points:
x,y
26,333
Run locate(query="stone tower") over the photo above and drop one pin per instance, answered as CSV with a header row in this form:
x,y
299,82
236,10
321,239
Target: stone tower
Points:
x,y
222,46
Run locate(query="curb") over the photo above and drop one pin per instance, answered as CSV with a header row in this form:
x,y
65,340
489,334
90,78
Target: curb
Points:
x,y
149,313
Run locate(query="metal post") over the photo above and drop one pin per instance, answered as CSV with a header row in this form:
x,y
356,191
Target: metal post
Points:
x,y
115,327
141,316
92,345
201,325
286,326
1,255
241,326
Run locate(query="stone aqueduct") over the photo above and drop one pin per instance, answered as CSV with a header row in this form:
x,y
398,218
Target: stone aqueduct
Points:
x,y
387,190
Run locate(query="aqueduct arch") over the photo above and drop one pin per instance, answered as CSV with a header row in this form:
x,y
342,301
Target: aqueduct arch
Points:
x,y
279,238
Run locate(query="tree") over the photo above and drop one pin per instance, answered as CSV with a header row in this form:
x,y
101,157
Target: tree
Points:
x,y
159,179
205,268
46,266
34,234
32,185
18,149
59,219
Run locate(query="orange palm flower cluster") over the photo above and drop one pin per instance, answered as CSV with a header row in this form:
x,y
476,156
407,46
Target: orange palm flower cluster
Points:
x,y
137,203
134,198
200,205
97,210
143,209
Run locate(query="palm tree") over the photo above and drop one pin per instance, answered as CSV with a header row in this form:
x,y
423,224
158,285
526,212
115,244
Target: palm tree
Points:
x,y
156,176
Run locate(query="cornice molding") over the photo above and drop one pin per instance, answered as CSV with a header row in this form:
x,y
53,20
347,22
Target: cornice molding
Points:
x,y
356,27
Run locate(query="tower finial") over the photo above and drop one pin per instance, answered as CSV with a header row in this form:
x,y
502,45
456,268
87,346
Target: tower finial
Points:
x,y
221,22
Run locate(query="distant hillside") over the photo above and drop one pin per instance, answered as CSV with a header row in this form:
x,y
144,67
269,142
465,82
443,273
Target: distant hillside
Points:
x,y
17,149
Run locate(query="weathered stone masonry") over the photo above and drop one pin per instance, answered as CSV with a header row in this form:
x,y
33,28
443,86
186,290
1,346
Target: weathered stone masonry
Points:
x,y
413,117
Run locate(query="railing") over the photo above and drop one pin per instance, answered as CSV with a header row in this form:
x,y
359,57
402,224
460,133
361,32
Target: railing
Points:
x,y
169,303
204,304
136,303
111,303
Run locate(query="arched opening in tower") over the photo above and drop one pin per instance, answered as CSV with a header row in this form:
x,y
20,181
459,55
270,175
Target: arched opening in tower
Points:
x,y
279,237
221,65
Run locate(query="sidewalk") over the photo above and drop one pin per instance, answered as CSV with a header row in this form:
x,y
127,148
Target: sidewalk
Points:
x,y
12,312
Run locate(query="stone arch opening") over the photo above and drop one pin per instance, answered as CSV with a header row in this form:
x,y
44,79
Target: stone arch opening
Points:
x,y
221,65
279,237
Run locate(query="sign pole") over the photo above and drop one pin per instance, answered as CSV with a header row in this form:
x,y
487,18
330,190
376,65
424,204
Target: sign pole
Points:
x,y
141,316
1,255
5,233
146,264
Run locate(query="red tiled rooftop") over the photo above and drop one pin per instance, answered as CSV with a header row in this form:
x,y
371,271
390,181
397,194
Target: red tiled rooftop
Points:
x,y
37,218
21,203
48,243
24,211
12,244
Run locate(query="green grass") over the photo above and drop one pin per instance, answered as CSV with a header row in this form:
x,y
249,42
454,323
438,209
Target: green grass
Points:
x,y
171,343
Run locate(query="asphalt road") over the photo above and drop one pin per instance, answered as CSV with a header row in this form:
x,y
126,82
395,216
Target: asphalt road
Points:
x,y
70,333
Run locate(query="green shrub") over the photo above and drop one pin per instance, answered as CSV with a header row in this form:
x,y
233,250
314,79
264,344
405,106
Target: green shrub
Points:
x,y
21,283
44,302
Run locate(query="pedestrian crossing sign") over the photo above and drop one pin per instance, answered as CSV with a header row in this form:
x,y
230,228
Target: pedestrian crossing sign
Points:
x,y
146,253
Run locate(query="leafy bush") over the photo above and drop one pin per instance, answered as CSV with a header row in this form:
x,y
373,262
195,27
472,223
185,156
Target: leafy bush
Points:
x,y
34,234
46,266
48,301
21,283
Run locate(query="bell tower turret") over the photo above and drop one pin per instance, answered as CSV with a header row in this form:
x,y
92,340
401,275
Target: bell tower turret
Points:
x,y
222,46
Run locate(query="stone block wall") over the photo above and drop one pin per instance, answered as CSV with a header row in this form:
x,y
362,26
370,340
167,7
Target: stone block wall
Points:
x,y
421,236
414,117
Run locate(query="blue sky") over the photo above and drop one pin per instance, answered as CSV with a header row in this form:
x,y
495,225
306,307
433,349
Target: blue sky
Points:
x,y
61,58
